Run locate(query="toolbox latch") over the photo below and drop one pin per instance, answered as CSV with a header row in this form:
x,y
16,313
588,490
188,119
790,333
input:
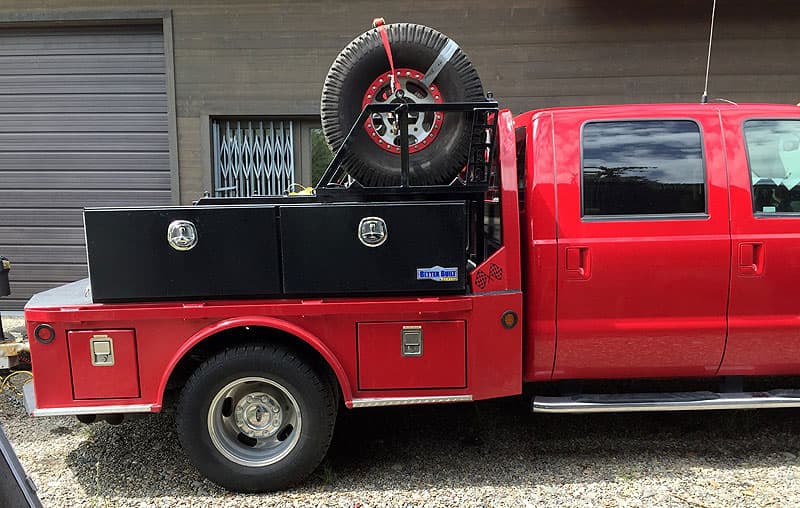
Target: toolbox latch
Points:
x,y
102,350
411,339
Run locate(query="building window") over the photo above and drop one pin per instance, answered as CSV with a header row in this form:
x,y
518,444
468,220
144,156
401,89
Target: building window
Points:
x,y
773,152
642,167
253,156
265,156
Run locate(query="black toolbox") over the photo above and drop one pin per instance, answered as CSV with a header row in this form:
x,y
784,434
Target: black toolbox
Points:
x,y
235,254
423,248
286,246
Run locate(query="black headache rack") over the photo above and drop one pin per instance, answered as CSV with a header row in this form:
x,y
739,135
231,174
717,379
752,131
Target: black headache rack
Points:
x,y
475,177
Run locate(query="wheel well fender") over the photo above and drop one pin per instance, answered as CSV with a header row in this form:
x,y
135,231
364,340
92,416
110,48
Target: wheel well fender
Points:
x,y
263,322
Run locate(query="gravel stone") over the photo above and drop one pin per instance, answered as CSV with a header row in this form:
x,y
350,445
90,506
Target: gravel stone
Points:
x,y
488,454
14,326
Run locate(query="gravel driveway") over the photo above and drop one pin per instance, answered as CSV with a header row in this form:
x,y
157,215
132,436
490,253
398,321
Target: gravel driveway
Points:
x,y
491,453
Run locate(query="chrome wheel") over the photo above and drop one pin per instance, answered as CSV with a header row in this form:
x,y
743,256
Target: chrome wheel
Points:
x,y
254,421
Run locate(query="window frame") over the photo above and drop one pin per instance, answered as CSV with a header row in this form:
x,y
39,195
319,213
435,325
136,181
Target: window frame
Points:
x,y
301,142
646,216
763,215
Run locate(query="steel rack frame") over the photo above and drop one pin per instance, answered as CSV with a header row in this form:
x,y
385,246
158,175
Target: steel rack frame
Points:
x,y
481,156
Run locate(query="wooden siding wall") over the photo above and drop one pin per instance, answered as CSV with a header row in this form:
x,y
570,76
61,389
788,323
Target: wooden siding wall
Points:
x,y
259,57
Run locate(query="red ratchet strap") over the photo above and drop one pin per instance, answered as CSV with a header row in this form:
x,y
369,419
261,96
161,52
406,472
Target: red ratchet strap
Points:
x,y
379,24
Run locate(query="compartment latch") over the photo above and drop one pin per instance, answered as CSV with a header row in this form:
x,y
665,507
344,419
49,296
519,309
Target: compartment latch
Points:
x,y
102,350
411,340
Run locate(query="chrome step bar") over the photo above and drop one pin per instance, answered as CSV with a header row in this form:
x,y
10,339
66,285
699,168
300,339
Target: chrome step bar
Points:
x,y
676,401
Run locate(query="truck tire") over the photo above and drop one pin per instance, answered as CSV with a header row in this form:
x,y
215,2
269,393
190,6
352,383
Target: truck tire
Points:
x,y
439,143
256,418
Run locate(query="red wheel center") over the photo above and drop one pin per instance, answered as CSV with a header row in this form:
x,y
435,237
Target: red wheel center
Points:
x,y
384,129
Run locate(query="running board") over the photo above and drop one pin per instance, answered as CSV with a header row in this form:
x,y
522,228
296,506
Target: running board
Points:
x,y
678,401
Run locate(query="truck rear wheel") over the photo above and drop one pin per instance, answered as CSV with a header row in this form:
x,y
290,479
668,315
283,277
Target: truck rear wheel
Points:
x,y
439,143
256,418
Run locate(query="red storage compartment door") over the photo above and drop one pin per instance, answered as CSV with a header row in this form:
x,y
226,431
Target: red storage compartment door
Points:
x,y
387,362
107,370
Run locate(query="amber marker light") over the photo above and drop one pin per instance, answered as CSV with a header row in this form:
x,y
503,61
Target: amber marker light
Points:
x,y
509,319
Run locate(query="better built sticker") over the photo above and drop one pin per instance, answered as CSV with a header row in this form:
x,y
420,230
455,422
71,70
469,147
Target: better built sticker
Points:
x,y
438,274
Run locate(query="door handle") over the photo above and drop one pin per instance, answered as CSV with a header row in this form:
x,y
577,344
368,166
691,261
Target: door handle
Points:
x,y
579,263
751,258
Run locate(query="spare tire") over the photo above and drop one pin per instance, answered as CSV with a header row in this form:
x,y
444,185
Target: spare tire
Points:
x,y
438,143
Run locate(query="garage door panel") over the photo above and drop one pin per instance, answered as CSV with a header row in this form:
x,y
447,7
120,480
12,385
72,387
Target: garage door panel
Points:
x,y
83,103
39,254
83,122
97,141
100,83
63,217
104,122
49,272
48,235
78,161
95,180
83,198
24,65
67,42
13,303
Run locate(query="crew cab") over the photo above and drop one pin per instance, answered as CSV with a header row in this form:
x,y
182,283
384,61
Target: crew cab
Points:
x,y
661,241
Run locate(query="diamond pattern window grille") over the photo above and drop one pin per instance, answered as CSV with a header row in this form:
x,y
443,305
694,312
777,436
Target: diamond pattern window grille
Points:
x,y
252,157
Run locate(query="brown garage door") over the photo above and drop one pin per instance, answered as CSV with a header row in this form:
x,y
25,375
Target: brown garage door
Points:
x,y
83,122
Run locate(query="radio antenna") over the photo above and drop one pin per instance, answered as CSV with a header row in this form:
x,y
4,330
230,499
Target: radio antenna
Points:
x,y
704,98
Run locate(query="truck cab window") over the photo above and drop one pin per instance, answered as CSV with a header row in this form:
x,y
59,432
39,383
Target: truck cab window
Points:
x,y
642,167
773,152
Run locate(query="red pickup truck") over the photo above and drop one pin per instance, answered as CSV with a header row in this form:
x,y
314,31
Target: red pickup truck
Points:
x,y
638,242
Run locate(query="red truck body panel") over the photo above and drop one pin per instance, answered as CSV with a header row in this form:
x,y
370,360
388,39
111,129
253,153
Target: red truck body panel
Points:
x,y
539,246
763,314
651,302
440,364
164,333
120,380
655,297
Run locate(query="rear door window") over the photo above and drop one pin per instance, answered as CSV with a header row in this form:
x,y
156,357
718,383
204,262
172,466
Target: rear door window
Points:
x,y
642,167
773,152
